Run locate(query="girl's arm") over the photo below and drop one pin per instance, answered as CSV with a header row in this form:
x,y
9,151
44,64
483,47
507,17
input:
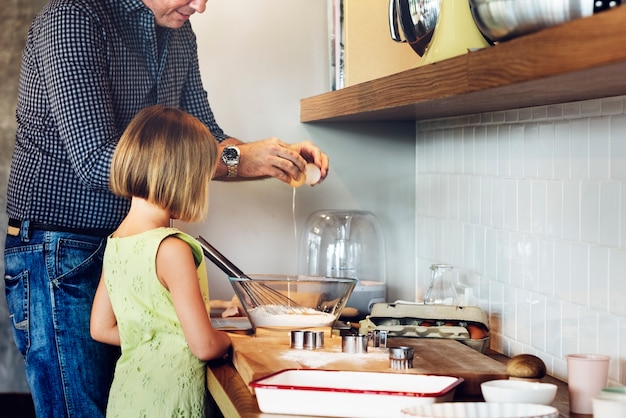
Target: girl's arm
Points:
x,y
176,270
103,322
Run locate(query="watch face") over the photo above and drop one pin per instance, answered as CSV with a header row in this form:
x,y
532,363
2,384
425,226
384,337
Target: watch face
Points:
x,y
230,155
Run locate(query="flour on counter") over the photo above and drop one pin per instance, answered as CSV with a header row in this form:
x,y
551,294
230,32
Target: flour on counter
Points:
x,y
317,359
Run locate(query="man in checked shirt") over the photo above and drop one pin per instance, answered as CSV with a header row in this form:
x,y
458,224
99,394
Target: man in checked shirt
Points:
x,y
88,67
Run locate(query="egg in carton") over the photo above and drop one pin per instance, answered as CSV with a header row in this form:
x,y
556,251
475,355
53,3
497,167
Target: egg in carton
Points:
x,y
467,324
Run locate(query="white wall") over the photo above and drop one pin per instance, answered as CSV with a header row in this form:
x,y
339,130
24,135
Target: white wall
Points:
x,y
258,59
530,205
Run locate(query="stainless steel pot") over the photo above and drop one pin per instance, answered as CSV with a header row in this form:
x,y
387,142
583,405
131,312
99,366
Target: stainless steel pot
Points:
x,y
417,20
500,20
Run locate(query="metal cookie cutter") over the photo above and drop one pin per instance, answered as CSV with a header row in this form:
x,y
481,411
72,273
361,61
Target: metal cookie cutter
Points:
x,y
310,340
354,344
297,339
378,337
401,357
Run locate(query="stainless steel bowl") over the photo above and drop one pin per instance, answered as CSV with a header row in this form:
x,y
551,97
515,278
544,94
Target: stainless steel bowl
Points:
x,y
500,20
417,20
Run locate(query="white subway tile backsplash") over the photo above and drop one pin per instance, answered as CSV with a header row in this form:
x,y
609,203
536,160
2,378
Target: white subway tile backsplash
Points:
x,y
563,270
572,110
486,196
562,156
588,339
530,205
538,209
590,211
553,320
517,245
524,205
491,253
554,214
468,151
545,153
466,198
524,301
571,210
499,117
591,108
540,112
599,278
579,285
612,106
538,324
570,329
531,150
608,342
503,257
545,267
504,150
525,115
617,281
516,151
498,197
617,132
554,111
531,262
622,212
510,204
599,148
621,372
579,149
491,150
480,249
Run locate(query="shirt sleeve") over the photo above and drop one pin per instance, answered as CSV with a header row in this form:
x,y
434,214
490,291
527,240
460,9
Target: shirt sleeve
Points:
x,y
74,70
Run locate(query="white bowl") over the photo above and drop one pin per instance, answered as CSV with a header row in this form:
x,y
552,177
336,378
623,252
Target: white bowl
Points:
x,y
518,391
607,407
481,410
610,402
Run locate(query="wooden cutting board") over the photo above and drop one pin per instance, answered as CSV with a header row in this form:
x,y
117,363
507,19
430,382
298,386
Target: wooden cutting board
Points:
x,y
255,357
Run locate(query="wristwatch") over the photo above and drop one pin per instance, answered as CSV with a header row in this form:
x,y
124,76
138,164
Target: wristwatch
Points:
x,y
230,156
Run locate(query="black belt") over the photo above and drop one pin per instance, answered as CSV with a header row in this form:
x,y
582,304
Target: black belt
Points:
x,y
38,226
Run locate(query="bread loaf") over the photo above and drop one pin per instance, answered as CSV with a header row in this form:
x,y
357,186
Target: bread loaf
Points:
x,y
526,367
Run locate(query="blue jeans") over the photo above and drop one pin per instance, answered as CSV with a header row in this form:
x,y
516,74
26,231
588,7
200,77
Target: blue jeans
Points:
x,y
51,279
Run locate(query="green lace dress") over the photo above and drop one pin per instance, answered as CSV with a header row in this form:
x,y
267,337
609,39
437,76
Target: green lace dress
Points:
x,y
156,375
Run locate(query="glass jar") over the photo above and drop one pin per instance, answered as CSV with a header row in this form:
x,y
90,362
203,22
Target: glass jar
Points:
x,y
441,290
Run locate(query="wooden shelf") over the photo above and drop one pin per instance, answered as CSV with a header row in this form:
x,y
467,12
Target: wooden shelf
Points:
x,y
580,60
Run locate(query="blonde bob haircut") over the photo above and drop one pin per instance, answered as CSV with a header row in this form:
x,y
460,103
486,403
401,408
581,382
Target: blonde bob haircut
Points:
x,y
167,157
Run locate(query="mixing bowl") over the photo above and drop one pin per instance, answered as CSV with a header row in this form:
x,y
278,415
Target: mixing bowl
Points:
x,y
518,391
288,302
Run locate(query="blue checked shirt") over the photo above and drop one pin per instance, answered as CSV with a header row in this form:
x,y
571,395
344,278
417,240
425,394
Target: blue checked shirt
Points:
x,y
88,67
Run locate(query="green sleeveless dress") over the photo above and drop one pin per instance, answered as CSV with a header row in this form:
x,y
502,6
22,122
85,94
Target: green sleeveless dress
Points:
x,y
156,374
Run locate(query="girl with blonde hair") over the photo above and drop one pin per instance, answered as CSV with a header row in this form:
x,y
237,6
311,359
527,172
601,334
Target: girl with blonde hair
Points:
x,y
153,295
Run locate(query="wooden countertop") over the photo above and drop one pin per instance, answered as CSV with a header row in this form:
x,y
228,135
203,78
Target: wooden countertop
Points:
x,y
232,395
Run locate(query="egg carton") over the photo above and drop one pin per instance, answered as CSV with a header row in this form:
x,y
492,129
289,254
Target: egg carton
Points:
x,y
466,324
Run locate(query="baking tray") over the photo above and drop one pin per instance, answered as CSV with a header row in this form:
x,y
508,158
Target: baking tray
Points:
x,y
334,393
